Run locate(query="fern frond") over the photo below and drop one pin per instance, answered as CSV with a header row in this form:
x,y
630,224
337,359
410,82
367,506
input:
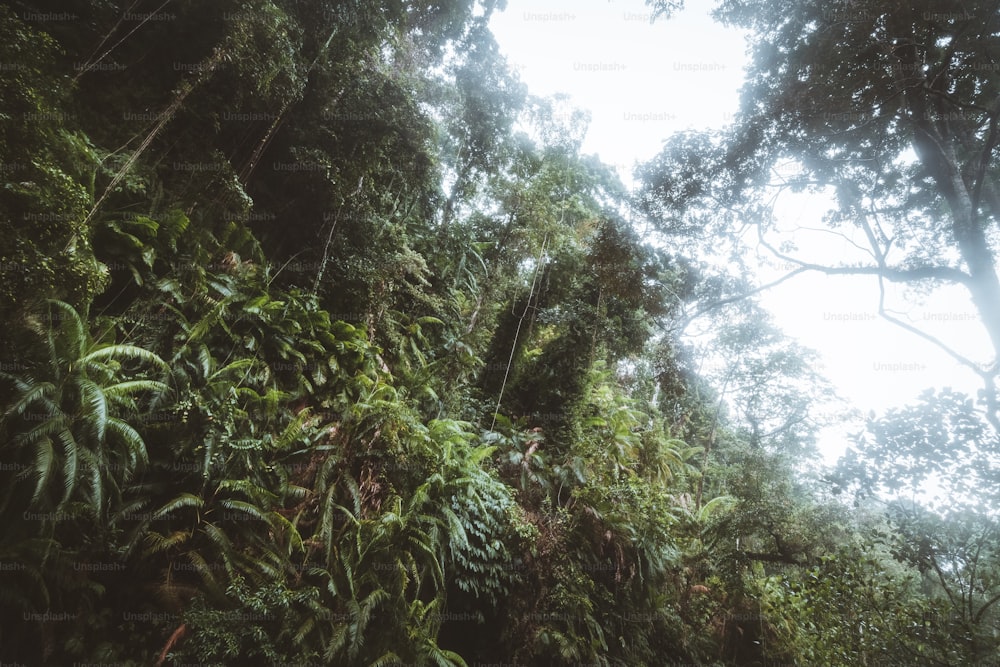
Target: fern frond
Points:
x,y
125,352
135,386
96,406
245,508
135,447
40,392
157,543
183,500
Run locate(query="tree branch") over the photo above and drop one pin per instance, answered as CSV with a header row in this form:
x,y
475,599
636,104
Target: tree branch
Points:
x,y
739,297
820,230
976,368
982,610
945,273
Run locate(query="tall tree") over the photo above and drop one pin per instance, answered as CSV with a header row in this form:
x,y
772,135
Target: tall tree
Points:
x,y
890,109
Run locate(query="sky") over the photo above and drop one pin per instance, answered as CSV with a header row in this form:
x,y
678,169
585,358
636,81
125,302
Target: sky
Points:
x,y
642,82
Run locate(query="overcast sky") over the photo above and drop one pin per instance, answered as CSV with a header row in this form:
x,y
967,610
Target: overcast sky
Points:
x,y
642,82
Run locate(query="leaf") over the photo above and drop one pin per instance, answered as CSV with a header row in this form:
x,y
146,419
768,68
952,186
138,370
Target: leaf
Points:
x,y
244,507
96,408
125,352
182,500
135,446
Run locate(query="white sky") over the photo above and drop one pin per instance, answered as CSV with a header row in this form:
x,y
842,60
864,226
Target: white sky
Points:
x,y
643,82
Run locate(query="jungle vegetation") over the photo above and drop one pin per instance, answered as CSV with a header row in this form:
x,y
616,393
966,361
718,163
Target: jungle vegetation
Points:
x,y
324,344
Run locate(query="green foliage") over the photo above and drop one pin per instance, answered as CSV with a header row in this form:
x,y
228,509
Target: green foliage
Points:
x,y
864,612
67,421
46,179
330,347
259,627
943,441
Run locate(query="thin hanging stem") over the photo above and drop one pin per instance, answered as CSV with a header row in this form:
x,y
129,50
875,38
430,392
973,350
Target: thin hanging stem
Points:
x,y
186,88
92,61
520,321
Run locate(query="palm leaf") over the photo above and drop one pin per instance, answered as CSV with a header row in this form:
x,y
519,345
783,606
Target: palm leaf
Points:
x,y
44,462
222,543
386,660
244,507
292,432
96,408
183,500
135,386
40,392
254,492
134,444
157,543
232,370
75,335
94,464
217,316
715,506
278,521
204,571
445,658
124,351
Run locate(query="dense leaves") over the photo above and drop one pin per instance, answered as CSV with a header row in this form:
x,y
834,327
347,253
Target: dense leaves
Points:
x,y
324,344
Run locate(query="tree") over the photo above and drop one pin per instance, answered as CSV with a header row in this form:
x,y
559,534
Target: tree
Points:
x,y
68,423
45,185
941,451
850,608
901,136
936,463
71,448
771,386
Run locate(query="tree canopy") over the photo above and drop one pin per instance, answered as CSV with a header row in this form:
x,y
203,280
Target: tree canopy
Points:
x,y
324,343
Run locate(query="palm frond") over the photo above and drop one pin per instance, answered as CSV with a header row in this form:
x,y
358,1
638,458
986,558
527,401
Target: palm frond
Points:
x,y
124,352
40,392
157,543
183,500
131,387
96,408
71,330
135,447
44,462
246,508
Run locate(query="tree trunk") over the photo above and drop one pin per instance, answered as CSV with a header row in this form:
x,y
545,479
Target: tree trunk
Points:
x,y
935,145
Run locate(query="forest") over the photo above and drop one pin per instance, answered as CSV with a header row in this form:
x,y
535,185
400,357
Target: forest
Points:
x,y
323,343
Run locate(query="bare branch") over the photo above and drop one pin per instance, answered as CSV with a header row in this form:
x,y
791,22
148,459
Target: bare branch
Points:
x,y
945,273
976,368
92,62
738,297
820,230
